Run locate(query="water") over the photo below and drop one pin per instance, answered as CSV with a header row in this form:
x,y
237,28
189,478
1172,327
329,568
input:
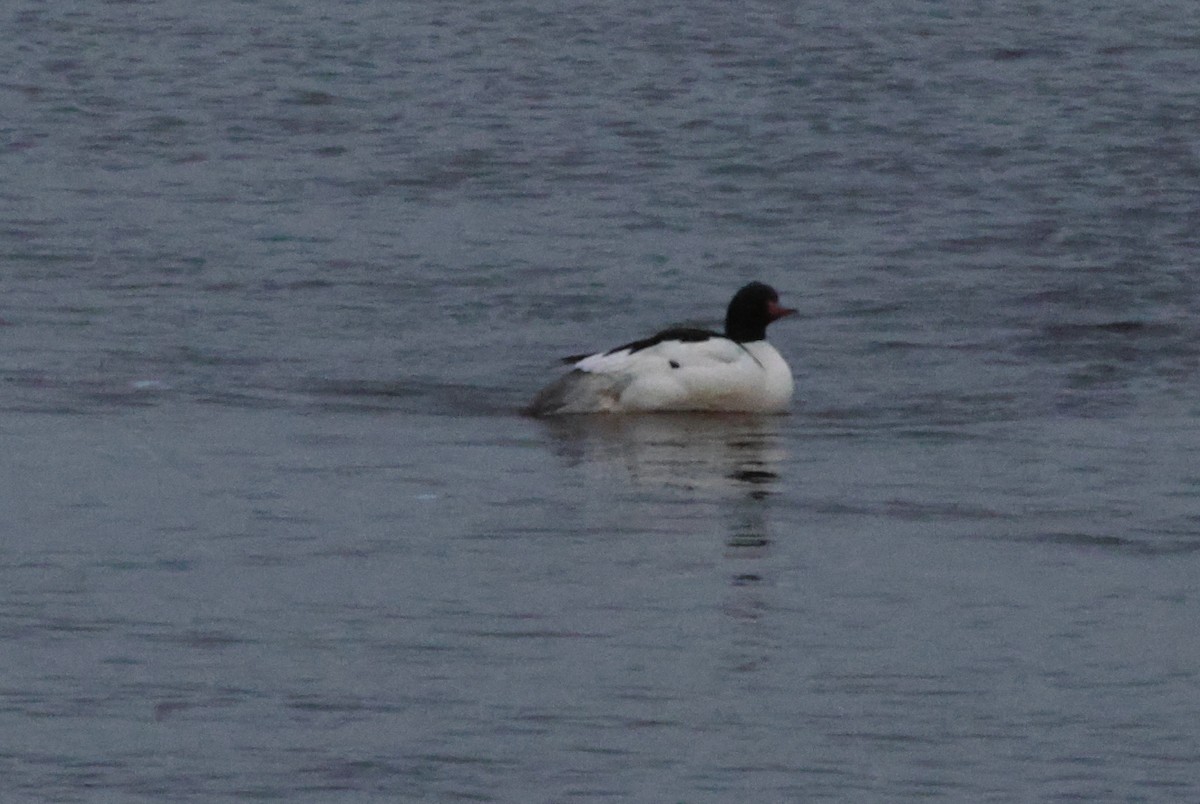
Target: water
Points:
x,y
277,277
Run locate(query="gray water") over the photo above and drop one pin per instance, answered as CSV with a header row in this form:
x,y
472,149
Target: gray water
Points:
x,y
275,279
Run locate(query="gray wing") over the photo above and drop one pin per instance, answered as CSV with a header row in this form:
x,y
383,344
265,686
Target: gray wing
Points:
x,y
578,392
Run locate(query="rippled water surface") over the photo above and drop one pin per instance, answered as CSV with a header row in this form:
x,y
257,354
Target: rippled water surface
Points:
x,y
277,278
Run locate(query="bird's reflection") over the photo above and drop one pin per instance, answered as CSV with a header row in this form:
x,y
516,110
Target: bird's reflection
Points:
x,y
706,452
736,459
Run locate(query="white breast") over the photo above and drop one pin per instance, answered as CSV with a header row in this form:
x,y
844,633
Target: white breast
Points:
x,y
717,374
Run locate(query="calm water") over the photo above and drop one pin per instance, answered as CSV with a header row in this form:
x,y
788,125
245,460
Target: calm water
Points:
x,y
276,277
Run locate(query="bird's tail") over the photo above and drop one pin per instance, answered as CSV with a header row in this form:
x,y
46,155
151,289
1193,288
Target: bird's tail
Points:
x,y
578,392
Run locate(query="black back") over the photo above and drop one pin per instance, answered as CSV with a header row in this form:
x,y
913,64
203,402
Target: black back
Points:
x,y
745,321
685,334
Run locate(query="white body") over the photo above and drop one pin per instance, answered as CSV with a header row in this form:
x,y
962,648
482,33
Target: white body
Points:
x,y
717,374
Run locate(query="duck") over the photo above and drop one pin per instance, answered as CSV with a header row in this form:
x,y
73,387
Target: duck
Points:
x,y
683,369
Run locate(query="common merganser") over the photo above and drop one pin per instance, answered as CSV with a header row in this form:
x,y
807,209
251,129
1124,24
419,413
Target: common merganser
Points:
x,y
683,369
